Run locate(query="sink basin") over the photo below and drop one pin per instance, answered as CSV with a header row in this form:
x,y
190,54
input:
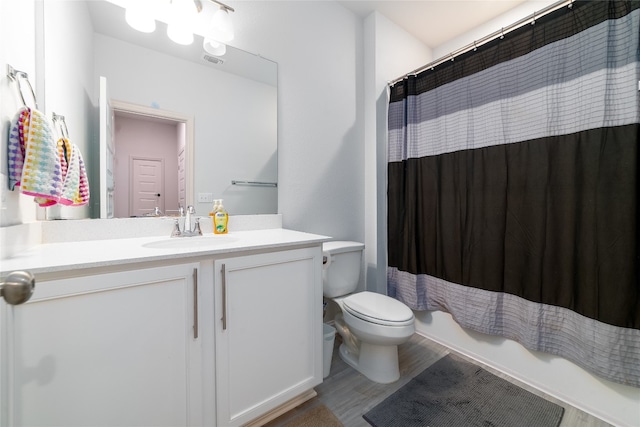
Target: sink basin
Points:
x,y
197,242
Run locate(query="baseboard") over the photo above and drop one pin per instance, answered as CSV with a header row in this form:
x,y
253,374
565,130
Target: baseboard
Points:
x,y
282,409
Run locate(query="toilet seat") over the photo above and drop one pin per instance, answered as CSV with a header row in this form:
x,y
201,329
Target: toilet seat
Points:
x,y
379,309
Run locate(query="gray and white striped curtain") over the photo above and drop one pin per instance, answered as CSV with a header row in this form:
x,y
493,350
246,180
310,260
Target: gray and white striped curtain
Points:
x,y
513,187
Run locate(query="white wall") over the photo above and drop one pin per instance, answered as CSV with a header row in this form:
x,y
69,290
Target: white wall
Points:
x,y
389,53
526,9
68,87
17,32
70,61
12,206
318,48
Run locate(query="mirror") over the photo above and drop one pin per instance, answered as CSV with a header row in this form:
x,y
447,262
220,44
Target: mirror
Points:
x,y
231,101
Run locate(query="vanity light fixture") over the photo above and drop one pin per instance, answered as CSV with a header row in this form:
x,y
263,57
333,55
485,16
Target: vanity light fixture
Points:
x,y
138,17
182,13
181,20
220,31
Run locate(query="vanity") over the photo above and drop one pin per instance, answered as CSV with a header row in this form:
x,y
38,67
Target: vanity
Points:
x,y
152,331
148,330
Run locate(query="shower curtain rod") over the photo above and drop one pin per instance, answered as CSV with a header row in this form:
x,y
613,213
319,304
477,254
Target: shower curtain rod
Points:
x,y
500,33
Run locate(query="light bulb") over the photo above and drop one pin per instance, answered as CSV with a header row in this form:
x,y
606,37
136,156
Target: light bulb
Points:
x,y
182,13
180,34
214,47
139,18
221,28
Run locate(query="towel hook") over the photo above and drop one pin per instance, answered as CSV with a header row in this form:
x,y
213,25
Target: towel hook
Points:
x,y
62,124
15,75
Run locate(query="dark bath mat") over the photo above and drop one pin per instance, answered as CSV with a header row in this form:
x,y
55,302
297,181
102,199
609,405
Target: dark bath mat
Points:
x,y
453,392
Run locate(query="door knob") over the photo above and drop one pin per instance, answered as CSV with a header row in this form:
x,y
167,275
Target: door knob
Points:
x,y
18,287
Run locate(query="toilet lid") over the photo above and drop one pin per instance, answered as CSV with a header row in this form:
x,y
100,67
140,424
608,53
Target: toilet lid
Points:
x,y
377,308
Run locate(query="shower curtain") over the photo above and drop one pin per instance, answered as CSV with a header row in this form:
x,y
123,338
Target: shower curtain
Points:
x,y
513,187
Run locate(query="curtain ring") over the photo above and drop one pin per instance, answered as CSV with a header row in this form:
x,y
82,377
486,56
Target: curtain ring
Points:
x,y
533,21
452,57
501,33
475,47
570,5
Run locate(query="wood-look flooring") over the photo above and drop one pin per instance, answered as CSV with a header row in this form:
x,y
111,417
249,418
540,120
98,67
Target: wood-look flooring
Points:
x,y
349,394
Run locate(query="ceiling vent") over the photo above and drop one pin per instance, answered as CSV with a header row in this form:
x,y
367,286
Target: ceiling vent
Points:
x,y
213,59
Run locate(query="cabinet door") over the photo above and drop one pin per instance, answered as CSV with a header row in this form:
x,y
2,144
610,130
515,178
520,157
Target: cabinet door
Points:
x,y
115,349
268,331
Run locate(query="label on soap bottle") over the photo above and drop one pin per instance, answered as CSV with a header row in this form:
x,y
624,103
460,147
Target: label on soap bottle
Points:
x,y
220,219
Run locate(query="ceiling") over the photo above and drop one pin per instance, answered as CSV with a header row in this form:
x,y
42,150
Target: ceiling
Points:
x,y
435,22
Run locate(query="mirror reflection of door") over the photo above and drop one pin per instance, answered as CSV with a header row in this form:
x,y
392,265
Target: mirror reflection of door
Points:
x,y
182,174
146,186
107,148
147,164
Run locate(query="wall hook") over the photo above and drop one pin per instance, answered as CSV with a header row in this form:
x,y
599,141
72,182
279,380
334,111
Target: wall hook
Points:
x,y
62,124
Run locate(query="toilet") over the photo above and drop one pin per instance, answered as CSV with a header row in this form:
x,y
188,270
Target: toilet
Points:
x,y
372,325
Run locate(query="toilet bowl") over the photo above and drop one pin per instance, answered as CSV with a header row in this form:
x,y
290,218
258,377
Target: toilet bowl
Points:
x,y
371,325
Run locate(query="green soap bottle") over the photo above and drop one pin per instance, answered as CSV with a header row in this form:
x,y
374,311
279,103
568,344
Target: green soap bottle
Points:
x,y
220,219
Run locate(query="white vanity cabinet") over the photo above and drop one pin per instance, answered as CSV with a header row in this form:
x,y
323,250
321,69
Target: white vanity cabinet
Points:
x,y
154,331
112,349
268,332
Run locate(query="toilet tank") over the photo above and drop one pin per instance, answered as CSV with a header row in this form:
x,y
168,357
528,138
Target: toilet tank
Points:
x,y
341,267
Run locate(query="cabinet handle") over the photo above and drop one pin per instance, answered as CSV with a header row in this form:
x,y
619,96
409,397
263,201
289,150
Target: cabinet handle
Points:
x,y
18,287
224,298
195,303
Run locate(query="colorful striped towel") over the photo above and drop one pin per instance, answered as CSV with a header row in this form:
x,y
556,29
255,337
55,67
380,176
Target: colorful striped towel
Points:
x,y
16,146
41,172
75,187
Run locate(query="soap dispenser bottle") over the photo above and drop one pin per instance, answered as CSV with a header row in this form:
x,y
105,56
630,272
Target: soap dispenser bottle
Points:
x,y
216,203
220,219
212,214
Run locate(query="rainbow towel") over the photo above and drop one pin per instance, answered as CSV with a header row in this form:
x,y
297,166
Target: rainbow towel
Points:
x,y
75,187
41,173
16,146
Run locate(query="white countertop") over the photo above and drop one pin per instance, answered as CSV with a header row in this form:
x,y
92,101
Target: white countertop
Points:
x,y
68,256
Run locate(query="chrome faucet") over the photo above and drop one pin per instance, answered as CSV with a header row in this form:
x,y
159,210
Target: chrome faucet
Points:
x,y
188,229
156,212
188,226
